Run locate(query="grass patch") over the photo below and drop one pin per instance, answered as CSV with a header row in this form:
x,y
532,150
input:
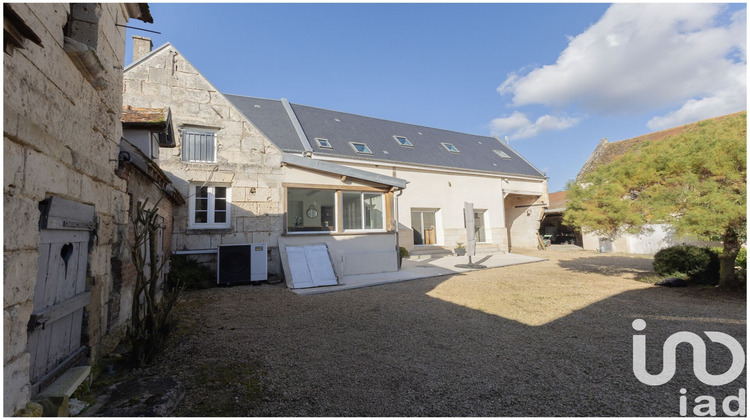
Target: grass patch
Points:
x,y
650,278
223,388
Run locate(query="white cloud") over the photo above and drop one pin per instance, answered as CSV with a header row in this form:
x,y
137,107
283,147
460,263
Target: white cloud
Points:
x,y
645,57
517,126
723,102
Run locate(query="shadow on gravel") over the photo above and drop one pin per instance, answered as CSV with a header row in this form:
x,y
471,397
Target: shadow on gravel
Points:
x,y
614,265
393,350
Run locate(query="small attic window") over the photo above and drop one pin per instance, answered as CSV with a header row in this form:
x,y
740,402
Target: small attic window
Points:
x,y
502,154
403,141
450,147
361,148
324,144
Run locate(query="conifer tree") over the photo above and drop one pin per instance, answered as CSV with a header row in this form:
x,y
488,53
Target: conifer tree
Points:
x,y
695,181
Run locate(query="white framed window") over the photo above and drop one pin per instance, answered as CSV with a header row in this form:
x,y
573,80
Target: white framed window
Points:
x,y
210,207
363,211
361,148
198,145
403,141
324,143
450,147
502,154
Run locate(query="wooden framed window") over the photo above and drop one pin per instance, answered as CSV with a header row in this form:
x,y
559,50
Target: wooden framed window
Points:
x,y
363,211
336,210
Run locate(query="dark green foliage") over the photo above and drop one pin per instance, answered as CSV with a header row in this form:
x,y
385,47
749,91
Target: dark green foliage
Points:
x,y
741,260
695,181
191,273
402,252
699,265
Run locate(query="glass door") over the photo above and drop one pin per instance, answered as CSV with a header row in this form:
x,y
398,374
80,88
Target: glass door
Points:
x,y
479,226
423,226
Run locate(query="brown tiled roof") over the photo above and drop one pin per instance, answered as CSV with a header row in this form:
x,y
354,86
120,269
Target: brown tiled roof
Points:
x,y
557,200
607,152
144,116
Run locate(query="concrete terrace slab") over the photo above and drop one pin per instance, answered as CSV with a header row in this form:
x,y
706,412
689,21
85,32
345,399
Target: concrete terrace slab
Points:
x,y
419,269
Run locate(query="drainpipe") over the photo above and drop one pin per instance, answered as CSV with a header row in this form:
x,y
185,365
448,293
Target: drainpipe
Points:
x,y
398,244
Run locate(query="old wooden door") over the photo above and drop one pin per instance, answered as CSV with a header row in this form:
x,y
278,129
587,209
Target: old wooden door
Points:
x,y
60,292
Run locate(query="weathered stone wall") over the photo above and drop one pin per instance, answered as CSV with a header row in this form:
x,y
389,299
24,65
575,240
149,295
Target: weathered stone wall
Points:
x,y
523,215
140,187
246,161
59,134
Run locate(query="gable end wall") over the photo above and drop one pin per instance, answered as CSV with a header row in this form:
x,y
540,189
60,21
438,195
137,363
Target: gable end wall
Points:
x,y
246,160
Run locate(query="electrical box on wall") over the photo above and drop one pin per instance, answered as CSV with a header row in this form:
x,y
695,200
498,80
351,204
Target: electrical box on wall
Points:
x,y
241,264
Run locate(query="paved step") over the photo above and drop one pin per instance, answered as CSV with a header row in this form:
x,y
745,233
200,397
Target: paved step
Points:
x,y
488,249
427,252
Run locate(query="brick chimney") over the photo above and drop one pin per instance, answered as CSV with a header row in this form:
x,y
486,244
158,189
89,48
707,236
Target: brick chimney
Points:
x,y
141,47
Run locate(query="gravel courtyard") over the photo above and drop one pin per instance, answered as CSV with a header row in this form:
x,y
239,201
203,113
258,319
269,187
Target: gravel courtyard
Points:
x,y
552,338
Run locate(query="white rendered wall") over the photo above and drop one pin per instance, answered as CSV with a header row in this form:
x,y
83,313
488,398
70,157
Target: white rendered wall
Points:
x,y
447,191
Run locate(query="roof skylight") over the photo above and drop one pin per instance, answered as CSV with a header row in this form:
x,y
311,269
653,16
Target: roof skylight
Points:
x,y
323,143
502,154
361,148
450,147
403,141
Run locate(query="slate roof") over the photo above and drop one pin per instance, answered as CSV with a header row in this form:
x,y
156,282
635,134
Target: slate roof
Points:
x,y
340,128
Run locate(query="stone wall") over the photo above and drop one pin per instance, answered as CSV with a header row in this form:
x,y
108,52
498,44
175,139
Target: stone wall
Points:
x,y
140,187
246,161
59,133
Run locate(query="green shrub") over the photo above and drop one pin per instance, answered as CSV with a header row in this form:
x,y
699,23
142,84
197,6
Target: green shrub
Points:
x,y
191,273
741,260
402,252
698,265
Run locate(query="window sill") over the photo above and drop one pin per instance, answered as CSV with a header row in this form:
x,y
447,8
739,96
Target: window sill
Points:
x,y
349,233
194,230
87,62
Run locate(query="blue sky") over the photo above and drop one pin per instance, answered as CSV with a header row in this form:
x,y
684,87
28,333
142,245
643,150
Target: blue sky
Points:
x,y
554,78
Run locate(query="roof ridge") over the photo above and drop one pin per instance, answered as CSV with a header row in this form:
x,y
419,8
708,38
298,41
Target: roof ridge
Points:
x,y
397,122
250,97
364,116
147,56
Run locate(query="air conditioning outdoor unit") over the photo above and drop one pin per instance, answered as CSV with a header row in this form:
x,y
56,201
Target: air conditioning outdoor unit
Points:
x,y
241,264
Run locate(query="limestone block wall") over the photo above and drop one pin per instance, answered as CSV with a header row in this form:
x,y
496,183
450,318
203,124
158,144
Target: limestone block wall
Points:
x,y
246,161
59,134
